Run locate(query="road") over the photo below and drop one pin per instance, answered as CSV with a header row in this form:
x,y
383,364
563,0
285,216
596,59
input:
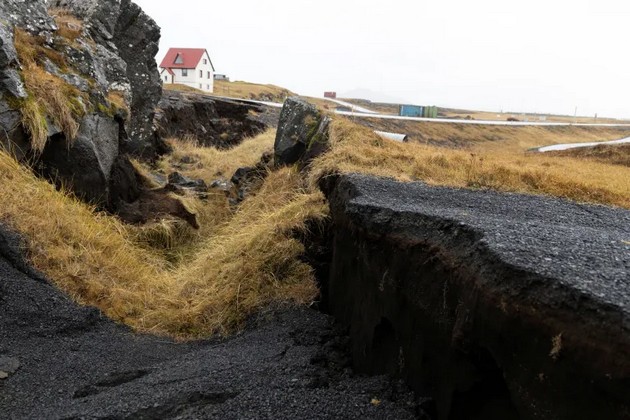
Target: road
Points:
x,y
567,146
353,107
366,113
540,283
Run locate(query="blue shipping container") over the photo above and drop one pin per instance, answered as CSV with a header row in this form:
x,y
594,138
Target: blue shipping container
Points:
x,y
411,111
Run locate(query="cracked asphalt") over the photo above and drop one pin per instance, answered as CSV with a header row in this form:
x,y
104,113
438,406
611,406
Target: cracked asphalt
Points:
x,y
581,247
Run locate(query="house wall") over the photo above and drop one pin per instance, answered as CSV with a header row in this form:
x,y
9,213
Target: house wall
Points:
x,y
206,82
189,80
166,77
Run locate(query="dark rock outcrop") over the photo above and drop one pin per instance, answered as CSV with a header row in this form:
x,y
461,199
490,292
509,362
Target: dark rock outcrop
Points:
x,y
85,165
128,41
182,185
110,62
249,179
178,182
211,121
125,184
245,181
69,361
302,133
496,305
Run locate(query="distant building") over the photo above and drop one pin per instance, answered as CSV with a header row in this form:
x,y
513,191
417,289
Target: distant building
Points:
x,y
221,77
411,111
188,66
331,95
418,111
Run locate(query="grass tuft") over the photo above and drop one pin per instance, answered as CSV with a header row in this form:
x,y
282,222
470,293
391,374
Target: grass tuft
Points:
x,y
34,121
69,26
50,97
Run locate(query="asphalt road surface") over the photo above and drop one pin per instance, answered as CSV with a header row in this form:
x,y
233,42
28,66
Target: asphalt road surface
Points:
x,y
581,248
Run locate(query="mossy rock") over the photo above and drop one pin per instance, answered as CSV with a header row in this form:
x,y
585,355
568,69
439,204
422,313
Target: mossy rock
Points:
x,y
302,133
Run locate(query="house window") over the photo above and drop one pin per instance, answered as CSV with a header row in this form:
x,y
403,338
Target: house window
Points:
x,y
201,74
208,87
200,86
185,72
179,59
208,75
166,78
205,61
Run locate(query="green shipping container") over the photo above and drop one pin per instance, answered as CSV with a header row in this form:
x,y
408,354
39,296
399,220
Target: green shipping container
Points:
x,y
430,112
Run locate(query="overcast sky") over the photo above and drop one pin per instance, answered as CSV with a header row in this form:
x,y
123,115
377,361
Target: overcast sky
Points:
x,y
535,55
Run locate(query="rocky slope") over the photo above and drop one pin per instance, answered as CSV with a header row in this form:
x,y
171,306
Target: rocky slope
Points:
x,y
78,89
211,121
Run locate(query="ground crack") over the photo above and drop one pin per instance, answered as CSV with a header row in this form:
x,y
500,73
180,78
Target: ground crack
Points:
x,y
175,406
112,380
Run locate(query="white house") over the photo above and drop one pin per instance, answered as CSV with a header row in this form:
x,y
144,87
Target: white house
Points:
x,y
188,66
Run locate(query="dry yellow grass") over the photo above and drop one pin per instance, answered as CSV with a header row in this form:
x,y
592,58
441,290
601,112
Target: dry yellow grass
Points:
x,y
609,154
69,26
494,116
182,88
174,239
211,163
239,90
49,95
245,90
85,253
117,101
250,260
358,149
515,138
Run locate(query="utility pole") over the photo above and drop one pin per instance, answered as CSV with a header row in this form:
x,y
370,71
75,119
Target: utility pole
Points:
x,y
575,116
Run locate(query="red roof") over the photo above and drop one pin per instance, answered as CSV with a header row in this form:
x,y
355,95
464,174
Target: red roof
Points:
x,y
189,58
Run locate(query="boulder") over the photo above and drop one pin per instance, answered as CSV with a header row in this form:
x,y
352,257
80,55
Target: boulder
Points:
x,y
84,166
249,179
302,133
137,38
125,185
178,183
